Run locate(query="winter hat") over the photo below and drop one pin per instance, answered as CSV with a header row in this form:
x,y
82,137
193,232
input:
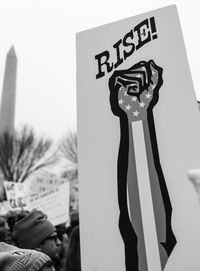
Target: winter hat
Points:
x,y
31,230
16,259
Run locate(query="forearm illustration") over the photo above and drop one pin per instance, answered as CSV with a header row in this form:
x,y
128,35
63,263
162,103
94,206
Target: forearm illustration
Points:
x,y
142,191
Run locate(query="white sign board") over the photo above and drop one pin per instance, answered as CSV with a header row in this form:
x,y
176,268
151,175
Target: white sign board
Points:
x,y
42,181
16,196
138,135
54,203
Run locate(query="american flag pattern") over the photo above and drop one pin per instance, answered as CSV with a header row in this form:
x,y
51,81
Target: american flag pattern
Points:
x,y
136,90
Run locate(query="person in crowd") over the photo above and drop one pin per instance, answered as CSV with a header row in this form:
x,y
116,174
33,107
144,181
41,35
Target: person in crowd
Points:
x,y
3,234
74,221
34,231
3,222
62,235
4,229
14,259
61,230
73,257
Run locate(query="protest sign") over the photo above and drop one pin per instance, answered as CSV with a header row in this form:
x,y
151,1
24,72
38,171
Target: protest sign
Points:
x,y
136,143
42,181
54,203
16,196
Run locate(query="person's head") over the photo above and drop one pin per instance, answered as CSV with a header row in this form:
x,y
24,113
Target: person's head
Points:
x,y
74,217
15,259
73,260
74,221
52,246
34,231
4,229
3,223
3,234
61,230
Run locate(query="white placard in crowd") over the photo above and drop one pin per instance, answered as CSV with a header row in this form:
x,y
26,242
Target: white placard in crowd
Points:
x,y
138,210
54,203
16,196
42,181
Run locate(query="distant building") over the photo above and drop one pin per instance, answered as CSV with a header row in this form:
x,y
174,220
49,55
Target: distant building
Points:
x,y
7,109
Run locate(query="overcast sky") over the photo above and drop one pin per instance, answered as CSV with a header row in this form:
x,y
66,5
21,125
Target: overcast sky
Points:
x,y
43,34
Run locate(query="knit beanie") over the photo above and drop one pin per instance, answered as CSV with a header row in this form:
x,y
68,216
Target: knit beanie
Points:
x,y
16,259
31,230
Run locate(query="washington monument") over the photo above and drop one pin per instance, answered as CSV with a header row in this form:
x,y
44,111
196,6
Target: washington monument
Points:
x,y
7,110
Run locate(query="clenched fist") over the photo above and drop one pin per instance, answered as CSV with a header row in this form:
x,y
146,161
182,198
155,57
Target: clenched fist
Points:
x,y
135,91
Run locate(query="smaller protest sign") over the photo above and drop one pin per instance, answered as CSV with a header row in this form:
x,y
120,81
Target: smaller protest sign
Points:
x,y
54,203
16,196
41,182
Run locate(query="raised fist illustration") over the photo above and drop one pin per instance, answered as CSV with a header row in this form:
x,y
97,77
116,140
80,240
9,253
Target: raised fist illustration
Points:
x,y
133,94
135,90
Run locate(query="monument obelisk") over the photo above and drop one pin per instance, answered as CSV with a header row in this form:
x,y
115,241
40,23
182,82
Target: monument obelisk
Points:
x,y
7,110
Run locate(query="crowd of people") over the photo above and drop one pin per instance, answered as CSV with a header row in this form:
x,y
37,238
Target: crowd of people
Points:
x,y
30,242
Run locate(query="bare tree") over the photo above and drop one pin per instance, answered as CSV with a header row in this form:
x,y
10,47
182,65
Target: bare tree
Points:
x,y
23,153
69,150
68,147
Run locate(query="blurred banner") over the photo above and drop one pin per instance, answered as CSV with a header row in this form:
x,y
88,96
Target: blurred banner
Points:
x,y
138,135
42,181
16,196
54,201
